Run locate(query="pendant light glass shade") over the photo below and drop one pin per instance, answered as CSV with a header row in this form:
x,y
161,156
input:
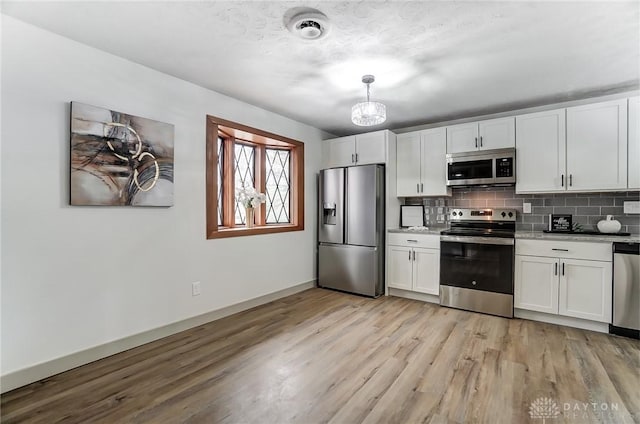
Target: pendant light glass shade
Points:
x,y
368,113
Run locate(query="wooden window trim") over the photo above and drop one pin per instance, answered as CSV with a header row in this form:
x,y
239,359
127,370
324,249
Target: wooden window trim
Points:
x,y
261,139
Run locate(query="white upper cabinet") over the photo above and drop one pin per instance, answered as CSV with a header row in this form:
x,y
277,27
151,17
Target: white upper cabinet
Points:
x,y
340,151
597,146
497,133
408,164
421,165
541,152
361,149
371,148
634,143
462,138
490,134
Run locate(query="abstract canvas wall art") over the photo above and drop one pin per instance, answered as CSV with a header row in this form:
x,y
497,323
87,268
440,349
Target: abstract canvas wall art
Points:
x,y
119,159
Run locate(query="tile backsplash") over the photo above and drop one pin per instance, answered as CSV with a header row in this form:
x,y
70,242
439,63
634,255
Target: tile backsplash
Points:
x,y
587,208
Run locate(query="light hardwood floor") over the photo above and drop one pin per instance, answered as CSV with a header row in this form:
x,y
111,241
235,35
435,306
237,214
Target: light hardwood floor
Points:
x,y
321,356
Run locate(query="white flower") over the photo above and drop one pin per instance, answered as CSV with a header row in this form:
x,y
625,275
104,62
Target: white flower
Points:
x,y
250,197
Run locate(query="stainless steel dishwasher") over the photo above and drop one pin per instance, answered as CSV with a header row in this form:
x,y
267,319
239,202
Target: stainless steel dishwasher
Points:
x,y
626,290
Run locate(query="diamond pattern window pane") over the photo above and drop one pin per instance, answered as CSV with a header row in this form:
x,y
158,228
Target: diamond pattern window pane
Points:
x,y
220,176
278,186
243,170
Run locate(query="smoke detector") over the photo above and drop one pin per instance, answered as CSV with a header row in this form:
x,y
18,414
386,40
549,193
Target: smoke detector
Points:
x,y
309,25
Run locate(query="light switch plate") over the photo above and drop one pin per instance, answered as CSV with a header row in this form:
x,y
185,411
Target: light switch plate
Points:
x,y
631,207
526,207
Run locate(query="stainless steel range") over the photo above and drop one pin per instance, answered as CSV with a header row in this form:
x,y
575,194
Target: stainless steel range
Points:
x,y
477,261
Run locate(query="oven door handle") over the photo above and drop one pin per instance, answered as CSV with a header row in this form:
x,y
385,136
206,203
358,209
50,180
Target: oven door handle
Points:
x,y
479,240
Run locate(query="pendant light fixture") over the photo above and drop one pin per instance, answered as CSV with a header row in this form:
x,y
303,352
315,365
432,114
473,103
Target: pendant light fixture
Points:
x,y
366,114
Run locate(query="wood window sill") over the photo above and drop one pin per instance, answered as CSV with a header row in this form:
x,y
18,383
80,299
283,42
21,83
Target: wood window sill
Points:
x,y
243,231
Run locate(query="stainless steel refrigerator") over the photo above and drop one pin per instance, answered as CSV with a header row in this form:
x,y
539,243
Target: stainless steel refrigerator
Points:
x,y
351,229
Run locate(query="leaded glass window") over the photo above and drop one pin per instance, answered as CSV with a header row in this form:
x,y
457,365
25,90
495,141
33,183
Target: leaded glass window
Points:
x,y
278,170
244,175
220,177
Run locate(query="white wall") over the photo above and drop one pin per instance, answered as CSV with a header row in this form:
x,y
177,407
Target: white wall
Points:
x,y
77,277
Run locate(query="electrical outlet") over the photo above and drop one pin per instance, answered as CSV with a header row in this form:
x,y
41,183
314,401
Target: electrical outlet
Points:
x,y
195,288
631,207
526,207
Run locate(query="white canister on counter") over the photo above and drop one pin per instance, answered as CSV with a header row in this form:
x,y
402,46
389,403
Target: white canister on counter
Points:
x,y
609,225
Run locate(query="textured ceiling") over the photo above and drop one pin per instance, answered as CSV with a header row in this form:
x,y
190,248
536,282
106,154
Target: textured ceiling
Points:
x,y
432,60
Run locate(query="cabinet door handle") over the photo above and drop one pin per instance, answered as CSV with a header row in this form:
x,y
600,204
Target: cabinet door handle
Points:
x,y
562,268
353,158
562,180
409,255
555,269
570,180
414,255
480,141
561,250
476,142
356,158
421,188
418,187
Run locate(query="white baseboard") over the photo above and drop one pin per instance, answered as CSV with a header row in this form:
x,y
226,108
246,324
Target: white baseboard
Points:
x,y
583,324
414,295
46,369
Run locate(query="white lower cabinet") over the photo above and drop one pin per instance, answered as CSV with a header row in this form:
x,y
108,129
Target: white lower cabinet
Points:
x,y
414,268
400,267
536,285
585,290
426,270
578,288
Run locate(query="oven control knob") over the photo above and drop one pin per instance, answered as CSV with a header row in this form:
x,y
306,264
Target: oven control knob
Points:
x,y
503,214
460,213
474,283
455,213
510,214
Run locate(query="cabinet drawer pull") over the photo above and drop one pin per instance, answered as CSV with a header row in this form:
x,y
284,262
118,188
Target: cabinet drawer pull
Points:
x,y
561,250
412,241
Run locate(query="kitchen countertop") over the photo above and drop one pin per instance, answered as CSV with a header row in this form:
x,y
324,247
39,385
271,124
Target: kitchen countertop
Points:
x,y
537,235
428,230
596,238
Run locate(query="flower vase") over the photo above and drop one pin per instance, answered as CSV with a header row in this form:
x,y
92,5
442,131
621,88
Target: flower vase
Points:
x,y
249,218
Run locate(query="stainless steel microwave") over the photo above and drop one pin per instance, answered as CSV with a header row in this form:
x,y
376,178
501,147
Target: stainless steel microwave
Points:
x,y
483,167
